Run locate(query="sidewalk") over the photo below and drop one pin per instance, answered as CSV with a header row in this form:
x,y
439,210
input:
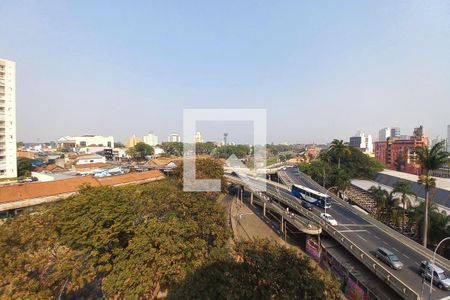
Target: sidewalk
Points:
x,y
248,225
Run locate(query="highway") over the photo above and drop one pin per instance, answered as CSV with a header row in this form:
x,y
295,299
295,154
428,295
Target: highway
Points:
x,y
369,234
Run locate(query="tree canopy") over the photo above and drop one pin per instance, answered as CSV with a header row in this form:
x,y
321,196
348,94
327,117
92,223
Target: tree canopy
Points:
x,y
335,167
132,242
140,151
262,270
24,166
103,240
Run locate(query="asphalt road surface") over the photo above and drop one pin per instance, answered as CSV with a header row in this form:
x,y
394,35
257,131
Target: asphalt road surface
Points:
x,y
368,236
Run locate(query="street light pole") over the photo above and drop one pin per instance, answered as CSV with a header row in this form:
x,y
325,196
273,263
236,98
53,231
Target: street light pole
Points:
x,y
434,258
326,193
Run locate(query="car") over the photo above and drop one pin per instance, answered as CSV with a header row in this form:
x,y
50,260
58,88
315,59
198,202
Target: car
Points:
x,y
439,277
329,219
389,258
307,205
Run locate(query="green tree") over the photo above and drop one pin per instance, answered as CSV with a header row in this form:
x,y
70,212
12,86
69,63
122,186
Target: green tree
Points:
x,y
400,163
205,168
173,148
438,222
339,149
259,270
24,166
205,148
241,151
404,188
381,197
118,144
35,264
102,240
140,151
429,160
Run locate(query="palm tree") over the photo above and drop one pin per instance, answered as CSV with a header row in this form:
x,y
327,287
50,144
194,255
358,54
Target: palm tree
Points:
x,y
429,160
381,197
438,222
340,149
404,188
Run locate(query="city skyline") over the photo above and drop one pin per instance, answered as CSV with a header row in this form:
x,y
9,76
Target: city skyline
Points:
x,y
87,73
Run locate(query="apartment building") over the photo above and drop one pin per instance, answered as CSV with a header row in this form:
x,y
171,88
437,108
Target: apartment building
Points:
x,y
8,160
174,137
362,141
151,139
398,153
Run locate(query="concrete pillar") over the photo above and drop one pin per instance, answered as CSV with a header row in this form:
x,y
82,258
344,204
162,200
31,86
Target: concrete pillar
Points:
x,y
264,209
251,198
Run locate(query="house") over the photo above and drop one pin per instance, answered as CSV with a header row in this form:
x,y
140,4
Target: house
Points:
x,y
90,159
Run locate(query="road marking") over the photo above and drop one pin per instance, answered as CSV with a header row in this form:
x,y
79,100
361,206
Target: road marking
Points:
x,y
359,225
362,238
428,285
352,230
385,243
395,249
377,237
406,256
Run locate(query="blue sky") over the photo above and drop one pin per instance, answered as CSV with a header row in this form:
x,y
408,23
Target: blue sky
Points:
x,y
322,69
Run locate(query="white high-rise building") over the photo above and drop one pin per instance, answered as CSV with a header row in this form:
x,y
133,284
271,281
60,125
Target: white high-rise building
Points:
x,y
174,137
151,139
198,137
362,141
384,133
8,156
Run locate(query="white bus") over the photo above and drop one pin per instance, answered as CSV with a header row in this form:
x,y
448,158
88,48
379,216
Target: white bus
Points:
x,y
314,197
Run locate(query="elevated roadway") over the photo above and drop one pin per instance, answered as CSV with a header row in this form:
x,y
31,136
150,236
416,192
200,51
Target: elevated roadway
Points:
x,y
368,234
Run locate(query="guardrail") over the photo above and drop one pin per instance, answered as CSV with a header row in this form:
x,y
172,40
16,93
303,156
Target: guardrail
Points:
x,y
383,227
396,284
303,223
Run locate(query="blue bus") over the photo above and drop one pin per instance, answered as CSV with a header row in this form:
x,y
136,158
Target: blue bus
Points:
x,y
314,197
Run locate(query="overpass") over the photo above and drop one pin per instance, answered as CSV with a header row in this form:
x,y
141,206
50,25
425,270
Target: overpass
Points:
x,y
360,235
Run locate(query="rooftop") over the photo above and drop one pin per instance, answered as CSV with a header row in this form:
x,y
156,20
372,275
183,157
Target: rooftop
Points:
x,y
19,192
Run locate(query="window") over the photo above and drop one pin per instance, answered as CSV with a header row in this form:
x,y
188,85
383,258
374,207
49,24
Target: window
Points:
x,y
83,143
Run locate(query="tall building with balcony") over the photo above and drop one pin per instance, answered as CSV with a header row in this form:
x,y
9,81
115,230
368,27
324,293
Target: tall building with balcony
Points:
x,y
151,139
395,132
388,132
174,137
398,153
384,133
198,137
362,141
8,159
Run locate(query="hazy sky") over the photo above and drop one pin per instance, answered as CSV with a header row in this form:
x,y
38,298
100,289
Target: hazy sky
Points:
x,y
322,69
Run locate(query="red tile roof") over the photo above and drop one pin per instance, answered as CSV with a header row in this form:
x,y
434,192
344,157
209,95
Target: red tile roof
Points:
x,y
24,191
131,177
18,192
91,166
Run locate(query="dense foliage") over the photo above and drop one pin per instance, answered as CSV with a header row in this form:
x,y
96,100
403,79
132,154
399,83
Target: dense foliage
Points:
x,y
241,151
24,166
172,148
263,270
134,242
140,151
337,165
125,242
